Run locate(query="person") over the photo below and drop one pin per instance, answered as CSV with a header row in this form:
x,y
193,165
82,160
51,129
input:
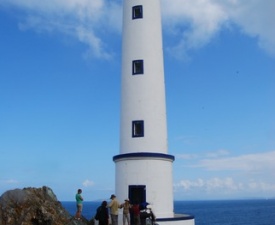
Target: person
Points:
x,y
136,213
79,206
151,213
102,214
114,205
147,216
126,211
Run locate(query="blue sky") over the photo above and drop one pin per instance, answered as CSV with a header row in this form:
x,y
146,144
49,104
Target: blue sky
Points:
x,y
60,96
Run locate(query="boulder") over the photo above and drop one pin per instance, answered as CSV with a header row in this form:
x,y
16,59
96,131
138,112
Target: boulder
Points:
x,y
34,206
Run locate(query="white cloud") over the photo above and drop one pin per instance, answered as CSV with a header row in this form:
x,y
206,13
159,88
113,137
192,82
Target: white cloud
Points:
x,y
188,184
225,187
9,181
258,162
194,23
212,154
187,156
88,183
83,20
265,187
247,175
219,153
255,20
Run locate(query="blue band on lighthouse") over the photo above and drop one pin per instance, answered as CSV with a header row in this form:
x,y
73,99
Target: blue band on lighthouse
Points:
x,y
151,155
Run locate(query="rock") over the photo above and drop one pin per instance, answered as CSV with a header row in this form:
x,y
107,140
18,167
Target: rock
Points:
x,y
34,206
83,221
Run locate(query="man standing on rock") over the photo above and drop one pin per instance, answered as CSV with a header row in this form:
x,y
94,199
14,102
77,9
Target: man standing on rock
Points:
x,y
79,205
114,205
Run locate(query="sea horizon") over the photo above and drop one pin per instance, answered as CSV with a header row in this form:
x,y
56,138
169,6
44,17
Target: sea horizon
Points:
x,y
176,200
208,212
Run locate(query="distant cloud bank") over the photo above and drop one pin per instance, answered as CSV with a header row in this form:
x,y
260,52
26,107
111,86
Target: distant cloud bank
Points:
x,y
224,187
247,174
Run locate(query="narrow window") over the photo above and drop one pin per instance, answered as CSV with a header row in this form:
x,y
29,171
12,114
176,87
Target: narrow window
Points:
x,y
138,128
137,67
137,12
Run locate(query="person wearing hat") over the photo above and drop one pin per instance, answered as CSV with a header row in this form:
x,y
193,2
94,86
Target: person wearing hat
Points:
x,y
126,211
114,205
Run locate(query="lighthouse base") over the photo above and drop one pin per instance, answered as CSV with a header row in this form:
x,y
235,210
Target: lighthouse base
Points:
x,y
178,219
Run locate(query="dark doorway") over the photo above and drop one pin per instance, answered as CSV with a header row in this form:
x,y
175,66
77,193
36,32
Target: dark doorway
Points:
x,y
137,193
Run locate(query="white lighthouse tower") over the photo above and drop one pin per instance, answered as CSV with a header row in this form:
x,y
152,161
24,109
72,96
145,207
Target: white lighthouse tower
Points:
x,y
143,165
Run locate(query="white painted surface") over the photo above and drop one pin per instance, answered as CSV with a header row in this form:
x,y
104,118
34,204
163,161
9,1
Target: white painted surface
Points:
x,y
155,174
178,222
143,96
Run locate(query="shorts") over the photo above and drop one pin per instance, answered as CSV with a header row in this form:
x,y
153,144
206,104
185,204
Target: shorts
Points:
x,y
79,207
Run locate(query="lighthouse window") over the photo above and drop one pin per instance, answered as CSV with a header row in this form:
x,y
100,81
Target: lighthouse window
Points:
x,y
137,67
137,12
138,128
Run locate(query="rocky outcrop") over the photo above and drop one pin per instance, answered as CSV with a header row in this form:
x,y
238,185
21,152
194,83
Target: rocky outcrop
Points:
x,y
34,206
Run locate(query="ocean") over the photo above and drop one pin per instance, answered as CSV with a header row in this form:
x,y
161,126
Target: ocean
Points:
x,y
222,212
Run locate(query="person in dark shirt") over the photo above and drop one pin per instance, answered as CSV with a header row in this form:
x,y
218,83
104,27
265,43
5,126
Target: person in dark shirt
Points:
x,y
102,214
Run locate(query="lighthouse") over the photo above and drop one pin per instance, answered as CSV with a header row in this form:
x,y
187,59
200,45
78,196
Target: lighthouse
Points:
x,y
143,167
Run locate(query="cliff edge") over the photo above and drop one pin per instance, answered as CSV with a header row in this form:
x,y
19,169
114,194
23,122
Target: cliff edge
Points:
x,y
34,206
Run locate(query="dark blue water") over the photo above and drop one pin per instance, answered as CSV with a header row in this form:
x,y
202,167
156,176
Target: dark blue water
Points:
x,y
230,212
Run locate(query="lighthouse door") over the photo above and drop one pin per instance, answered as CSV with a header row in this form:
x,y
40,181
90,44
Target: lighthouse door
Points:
x,y
137,193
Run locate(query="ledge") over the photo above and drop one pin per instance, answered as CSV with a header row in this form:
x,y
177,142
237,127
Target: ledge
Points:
x,y
137,155
176,217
